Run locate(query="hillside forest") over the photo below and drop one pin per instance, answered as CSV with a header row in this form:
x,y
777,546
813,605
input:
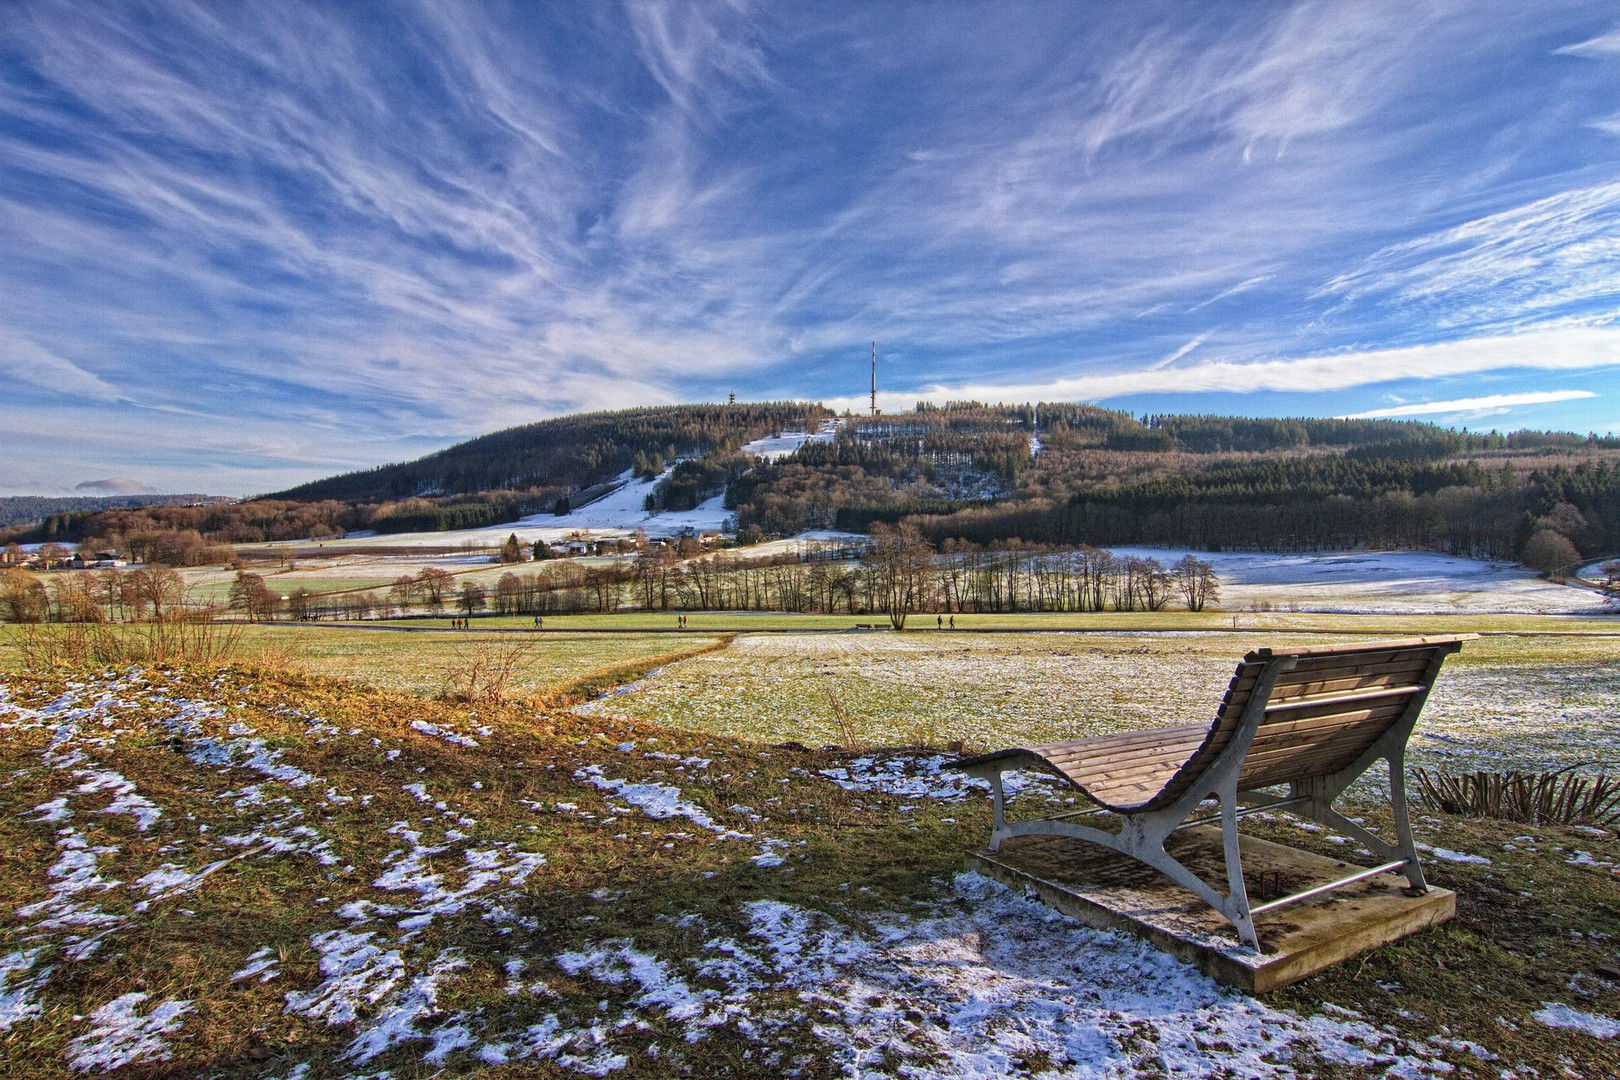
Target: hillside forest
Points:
x,y
969,475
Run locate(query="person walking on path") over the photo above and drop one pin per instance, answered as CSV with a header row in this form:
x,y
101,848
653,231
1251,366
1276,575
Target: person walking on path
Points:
x,y
953,622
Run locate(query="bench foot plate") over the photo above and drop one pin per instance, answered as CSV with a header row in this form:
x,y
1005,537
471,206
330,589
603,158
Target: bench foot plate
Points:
x,y
1107,890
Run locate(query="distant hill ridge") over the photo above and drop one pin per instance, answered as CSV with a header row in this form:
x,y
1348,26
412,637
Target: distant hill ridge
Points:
x,y
31,509
566,453
968,476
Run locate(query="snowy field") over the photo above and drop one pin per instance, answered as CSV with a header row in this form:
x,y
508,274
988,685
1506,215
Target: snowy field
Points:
x,y
1382,582
429,945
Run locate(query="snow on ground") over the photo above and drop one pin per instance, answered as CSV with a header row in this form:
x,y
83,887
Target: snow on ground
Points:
x,y
1562,1016
1387,582
977,983
623,510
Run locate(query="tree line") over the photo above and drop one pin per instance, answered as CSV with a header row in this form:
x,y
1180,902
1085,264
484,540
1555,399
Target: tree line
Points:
x,y
899,573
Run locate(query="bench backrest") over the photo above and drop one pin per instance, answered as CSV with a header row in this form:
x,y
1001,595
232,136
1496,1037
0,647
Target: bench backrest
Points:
x,y
1324,712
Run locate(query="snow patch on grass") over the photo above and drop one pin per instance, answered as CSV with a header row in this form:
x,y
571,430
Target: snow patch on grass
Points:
x,y
1557,1015
1453,856
119,1035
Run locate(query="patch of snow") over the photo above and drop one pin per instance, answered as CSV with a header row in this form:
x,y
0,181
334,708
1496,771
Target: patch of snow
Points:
x,y
616,962
55,810
924,776
125,799
262,962
1557,1015
358,975
20,1002
396,1023
779,446
443,733
1453,856
121,1036
659,801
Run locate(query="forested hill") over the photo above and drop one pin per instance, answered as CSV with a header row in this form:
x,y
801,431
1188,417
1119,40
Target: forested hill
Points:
x,y
971,474
29,509
567,453
1062,474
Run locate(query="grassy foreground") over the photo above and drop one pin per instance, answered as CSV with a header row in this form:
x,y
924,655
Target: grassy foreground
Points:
x,y
237,872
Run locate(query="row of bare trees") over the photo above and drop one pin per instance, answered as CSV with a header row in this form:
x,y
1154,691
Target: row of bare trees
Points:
x,y
153,591
898,574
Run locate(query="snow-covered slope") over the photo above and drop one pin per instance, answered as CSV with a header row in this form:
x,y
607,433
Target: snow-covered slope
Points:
x,y
1380,581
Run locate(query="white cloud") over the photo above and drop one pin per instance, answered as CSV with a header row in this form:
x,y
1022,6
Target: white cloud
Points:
x,y
1557,253
1492,403
1603,45
1556,349
29,363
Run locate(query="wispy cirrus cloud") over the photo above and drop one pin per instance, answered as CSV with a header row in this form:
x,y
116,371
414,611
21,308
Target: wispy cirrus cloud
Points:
x,y
1549,257
1554,349
1490,404
450,217
29,363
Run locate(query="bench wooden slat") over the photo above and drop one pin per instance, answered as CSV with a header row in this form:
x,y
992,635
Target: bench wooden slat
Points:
x,y
1335,700
1345,648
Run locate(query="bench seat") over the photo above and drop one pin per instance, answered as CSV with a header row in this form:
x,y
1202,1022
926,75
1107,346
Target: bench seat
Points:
x,y
1313,719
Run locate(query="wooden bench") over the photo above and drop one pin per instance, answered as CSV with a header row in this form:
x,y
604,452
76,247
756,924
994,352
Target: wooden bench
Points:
x,y
1313,719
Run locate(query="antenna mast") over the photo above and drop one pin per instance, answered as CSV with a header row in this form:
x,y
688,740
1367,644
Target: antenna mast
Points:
x,y
874,378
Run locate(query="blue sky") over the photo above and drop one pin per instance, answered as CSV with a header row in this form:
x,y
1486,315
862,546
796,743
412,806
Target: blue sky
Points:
x,y
246,245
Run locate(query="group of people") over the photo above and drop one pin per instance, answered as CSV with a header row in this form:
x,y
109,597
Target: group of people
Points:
x,y
939,622
680,622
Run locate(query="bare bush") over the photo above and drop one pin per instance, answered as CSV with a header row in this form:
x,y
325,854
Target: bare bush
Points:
x,y
481,671
1563,797
848,733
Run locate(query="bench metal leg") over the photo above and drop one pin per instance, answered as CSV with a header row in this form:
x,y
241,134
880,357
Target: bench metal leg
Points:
x,y
1237,893
1321,793
1142,837
998,829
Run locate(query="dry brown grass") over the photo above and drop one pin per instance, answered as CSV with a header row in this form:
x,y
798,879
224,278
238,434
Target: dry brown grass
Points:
x,y
55,646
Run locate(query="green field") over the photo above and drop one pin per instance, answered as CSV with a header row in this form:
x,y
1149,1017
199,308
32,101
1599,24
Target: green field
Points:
x,y
420,663
922,625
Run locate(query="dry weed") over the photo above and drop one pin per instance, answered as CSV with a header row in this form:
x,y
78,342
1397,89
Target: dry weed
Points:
x,y
481,671
47,647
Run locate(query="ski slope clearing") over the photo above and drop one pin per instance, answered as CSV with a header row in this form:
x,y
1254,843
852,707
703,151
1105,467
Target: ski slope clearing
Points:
x,y
780,446
224,874
620,513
